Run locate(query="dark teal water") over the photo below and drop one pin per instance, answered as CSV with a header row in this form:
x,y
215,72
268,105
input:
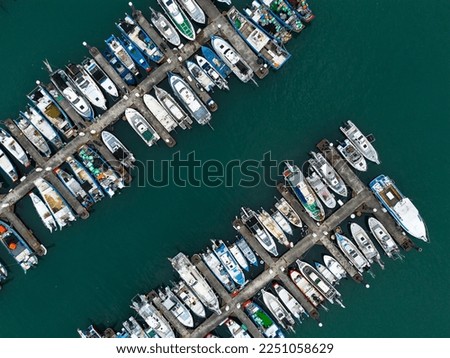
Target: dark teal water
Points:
x,y
382,64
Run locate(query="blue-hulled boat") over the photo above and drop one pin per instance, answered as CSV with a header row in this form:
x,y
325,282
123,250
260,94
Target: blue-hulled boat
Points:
x,y
218,270
122,55
216,62
124,72
135,54
247,251
229,262
284,12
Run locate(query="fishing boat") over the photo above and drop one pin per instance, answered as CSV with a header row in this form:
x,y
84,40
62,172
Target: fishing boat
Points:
x,y
178,18
189,99
3,274
87,181
17,247
195,281
90,332
366,245
321,190
173,304
59,208
285,13
232,59
44,212
261,16
289,301
215,62
239,256
134,329
14,148
249,218
303,192
43,126
100,77
282,222
228,262
215,76
140,39
288,212
326,273
45,102
189,299
218,270
172,107
200,76
352,155
140,125
383,237
281,314
7,166
261,43
33,135
350,251
160,113
86,85
152,317
118,149
302,8
135,54
74,187
272,227
69,91
400,207
123,72
194,11
316,279
328,174
247,251
164,27
262,320
122,55
360,141
236,330
100,169
336,269
311,293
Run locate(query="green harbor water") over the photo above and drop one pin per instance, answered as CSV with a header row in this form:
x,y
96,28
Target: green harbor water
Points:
x,y
383,64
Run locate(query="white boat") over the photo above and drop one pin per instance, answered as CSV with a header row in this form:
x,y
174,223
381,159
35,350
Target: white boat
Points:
x,y
309,291
178,18
326,171
236,330
289,301
152,316
247,251
278,311
173,304
282,222
271,225
55,202
194,11
385,240
239,256
189,299
14,148
326,273
321,190
218,270
232,59
119,51
194,280
118,149
229,262
350,251
365,244
33,135
134,329
7,166
86,84
3,273
43,126
44,213
316,279
172,107
100,77
200,76
74,187
164,27
288,212
215,76
160,112
335,268
400,207
141,126
352,155
189,99
360,141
